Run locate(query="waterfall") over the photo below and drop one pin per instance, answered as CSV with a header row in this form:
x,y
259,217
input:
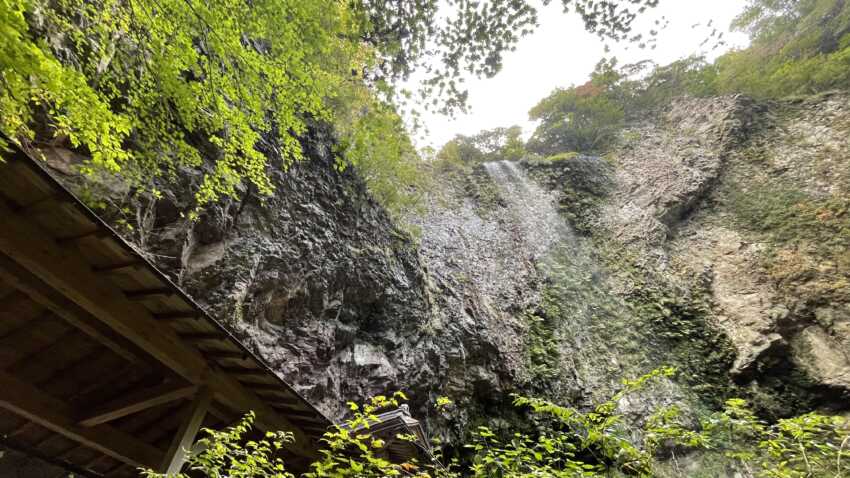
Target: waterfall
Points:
x,y
532,207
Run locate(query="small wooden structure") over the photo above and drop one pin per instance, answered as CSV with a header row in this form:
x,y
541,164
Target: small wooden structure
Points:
x,y
105,364
390,425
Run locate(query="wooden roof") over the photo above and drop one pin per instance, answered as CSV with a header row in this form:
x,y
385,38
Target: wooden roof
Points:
x,y
389,425
105,364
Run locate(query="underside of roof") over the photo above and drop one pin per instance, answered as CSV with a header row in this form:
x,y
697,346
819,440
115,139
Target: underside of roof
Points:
x,y
104,362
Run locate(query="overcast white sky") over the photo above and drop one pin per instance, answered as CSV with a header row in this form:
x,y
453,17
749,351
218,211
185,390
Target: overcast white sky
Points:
x,y
561,53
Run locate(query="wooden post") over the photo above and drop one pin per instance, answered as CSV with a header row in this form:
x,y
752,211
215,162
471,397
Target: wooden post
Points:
x,y
181,444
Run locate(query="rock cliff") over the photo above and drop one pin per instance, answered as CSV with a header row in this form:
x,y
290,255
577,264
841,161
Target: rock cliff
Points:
x,y
715,238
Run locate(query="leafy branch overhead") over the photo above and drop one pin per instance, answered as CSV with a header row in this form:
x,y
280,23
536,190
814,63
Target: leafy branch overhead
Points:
x,y
147,87
447,39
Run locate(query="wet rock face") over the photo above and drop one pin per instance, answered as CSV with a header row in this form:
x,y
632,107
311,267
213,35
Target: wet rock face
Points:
x,y
316,278
747,195
652,256
666,168
324,286
734,213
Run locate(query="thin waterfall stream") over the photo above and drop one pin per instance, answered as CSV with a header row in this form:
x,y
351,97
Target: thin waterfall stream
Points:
x,y
533,208
589,315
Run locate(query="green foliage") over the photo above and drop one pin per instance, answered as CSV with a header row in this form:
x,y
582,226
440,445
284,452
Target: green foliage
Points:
x,y
646,87
567,438
808,445
806,236
230,453
678,325
352,450
562,156
588,118
374,140
583,118
798,47
566,443
541,349
33,79
148,87
788,216
499,144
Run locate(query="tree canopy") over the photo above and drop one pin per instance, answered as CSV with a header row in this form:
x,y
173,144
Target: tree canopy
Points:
x,y
798,47
147,87
489,145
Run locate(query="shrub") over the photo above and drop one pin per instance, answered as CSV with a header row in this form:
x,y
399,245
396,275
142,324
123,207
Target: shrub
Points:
x,y
569,443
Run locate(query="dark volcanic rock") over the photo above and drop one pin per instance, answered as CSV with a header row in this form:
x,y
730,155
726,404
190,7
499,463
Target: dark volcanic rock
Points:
x,y
317,279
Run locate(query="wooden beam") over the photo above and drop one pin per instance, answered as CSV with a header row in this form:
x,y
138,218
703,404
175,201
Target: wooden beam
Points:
x,y
12,299
25,400
201,336
264,387
76,237
67,272
49,458
46,296
224,354
142,294
137,401
244,372
177,315
132,263
181,444
47,201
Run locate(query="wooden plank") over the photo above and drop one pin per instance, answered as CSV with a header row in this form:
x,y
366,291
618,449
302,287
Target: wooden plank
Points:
x,y
177,453
143,294
175,315
132,263
49,201
25,400
224,355
98,233
82,471
136,402
67,273
264,387
11,300
26,341
12,272
245,372
201,336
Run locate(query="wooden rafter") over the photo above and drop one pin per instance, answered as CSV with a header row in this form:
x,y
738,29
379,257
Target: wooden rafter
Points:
x,y
224,354
13,273
143,294
66,272
136,402
128,264
177,315
25,400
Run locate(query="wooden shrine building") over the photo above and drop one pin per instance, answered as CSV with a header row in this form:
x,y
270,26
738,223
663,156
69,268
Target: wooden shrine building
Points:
x,y
391,426
107,366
